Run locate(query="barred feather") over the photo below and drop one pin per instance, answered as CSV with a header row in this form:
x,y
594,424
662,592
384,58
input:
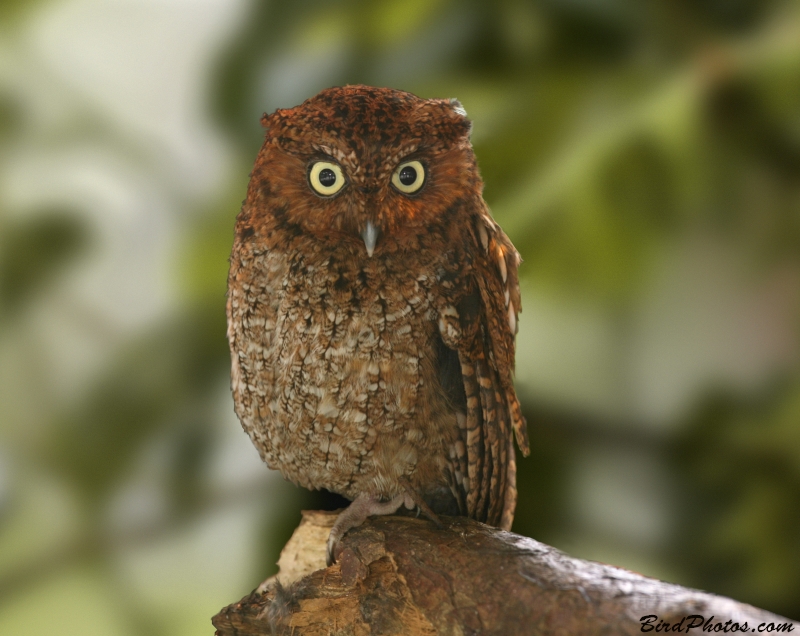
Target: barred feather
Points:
x,y
474,438
486,346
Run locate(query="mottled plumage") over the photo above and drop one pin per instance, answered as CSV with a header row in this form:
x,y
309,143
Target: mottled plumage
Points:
x,y
372,329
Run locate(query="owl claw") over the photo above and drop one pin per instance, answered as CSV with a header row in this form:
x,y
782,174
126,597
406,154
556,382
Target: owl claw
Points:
x,y
333,541
355,514
417,500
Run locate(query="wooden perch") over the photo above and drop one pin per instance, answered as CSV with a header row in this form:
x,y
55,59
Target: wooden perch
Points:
x,y
401,575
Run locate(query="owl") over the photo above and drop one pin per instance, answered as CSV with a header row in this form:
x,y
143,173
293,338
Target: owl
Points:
x,y
372,310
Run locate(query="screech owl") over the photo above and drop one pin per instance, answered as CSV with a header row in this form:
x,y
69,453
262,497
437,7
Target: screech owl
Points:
x,y
372,310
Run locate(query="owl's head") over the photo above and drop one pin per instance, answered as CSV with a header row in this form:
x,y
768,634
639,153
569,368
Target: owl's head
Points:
x,y
363,164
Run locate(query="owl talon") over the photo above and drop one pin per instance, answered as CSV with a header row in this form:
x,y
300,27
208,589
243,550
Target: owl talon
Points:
x,y
355,514
412,494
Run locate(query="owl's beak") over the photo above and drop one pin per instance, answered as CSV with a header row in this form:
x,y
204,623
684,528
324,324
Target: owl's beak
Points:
x,y
370,236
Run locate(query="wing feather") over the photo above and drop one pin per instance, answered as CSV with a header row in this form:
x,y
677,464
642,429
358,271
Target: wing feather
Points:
x,y
498,503
474,435
510,501
480,321
488,486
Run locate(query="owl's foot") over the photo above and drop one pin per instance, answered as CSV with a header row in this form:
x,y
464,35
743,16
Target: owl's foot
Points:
x,y
420,502
357,512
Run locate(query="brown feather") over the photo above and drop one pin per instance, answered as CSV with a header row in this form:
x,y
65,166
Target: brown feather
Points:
x,y
474,439
488,486
510,502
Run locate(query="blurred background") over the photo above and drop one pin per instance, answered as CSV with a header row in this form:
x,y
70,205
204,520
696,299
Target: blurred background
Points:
x,y
643,157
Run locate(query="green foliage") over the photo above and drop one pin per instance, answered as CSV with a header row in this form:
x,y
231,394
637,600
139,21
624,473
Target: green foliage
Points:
x,y
739,531
32,252
160,384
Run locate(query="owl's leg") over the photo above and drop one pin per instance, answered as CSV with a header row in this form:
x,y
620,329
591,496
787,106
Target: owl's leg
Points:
x,y
357,512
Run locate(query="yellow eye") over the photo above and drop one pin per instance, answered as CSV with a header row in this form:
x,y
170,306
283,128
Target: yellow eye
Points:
x,y
409,177
326,178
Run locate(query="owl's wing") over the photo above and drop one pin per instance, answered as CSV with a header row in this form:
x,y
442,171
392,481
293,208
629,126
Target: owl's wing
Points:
x,y
479,322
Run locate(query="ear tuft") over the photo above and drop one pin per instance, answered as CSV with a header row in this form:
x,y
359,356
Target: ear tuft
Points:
x,y
458,107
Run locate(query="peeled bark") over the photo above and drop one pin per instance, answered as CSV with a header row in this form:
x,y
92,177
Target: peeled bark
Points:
x,y
401,575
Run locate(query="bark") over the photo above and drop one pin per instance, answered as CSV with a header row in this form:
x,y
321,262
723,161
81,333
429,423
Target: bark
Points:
x,y
401,575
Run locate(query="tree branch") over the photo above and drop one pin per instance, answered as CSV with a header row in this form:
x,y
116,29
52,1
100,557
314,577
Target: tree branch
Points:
x,y
400,575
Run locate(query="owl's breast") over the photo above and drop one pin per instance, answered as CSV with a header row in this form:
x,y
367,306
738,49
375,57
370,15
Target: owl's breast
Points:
x,y
338,359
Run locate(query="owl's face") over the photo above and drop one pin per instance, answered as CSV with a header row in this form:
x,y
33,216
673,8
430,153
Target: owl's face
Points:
x,y
364,164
